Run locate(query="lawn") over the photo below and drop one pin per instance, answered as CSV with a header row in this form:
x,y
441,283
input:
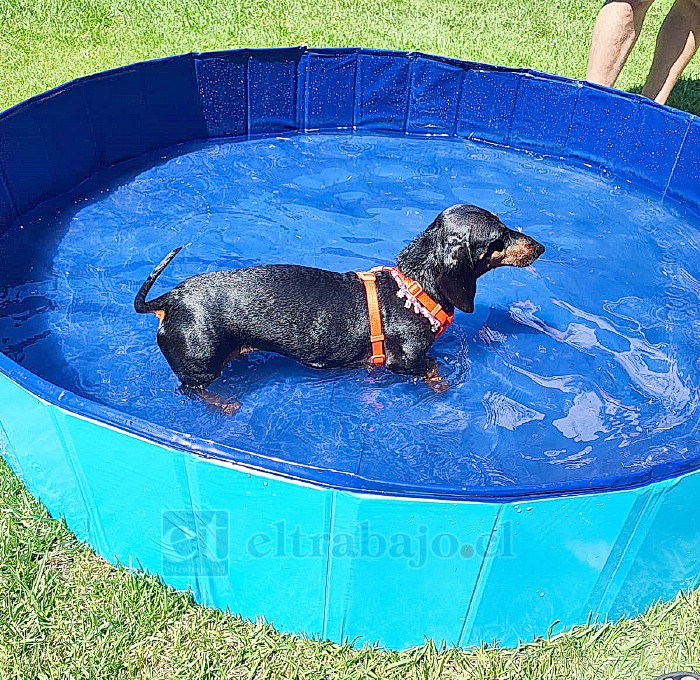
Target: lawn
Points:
x,y
66,613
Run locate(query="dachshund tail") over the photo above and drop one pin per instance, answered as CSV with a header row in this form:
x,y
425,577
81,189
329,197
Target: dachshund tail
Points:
x,y
140,304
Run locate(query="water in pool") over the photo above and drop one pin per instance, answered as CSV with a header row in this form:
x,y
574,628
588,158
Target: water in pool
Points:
x,y
583,366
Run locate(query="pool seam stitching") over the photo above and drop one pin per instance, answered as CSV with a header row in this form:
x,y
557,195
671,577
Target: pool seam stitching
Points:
x,y
479,577
675,161
327,586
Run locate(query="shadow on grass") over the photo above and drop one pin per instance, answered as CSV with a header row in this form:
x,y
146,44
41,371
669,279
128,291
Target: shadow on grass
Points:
x,y
685,96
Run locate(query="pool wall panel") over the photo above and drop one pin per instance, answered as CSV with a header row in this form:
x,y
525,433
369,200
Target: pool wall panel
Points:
x,y
684,183
26,165
330,89
435,96
138,109
654,146
65,126
274,557
599,128
223,88
555,547
37,453
537,124
127,504
8,213
389,555
260,541
666,557
633,139
488,100
273,91
383,85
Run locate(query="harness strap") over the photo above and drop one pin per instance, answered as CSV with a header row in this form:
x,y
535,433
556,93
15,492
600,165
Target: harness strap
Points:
x,y
375,318
439,319
434,308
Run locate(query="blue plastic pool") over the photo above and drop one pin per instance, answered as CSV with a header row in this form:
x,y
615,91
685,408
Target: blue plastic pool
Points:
x,y
555,477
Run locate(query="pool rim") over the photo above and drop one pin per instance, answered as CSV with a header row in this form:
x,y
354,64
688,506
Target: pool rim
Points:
x,y
102,414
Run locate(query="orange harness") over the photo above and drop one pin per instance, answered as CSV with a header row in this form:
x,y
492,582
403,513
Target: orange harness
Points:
x,y
415,296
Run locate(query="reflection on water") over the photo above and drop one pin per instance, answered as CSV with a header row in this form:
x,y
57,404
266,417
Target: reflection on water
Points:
x,y
650,372
583,366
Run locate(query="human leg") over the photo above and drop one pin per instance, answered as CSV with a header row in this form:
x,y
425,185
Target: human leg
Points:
x,y
614,35
676,44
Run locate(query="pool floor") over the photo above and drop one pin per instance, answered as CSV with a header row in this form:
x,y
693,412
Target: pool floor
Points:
x,y
583,366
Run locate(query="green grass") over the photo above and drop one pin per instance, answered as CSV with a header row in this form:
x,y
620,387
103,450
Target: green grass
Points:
x,y
46,42
66,613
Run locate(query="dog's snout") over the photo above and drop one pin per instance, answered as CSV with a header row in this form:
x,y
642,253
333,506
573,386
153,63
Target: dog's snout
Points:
x,y
533,249
522,251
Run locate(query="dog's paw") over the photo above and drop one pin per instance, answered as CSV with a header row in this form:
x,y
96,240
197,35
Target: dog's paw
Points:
x,y
217,404
438,384
435,381
229,408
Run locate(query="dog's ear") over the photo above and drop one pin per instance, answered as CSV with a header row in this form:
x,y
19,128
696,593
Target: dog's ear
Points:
x,y
441,259
458,279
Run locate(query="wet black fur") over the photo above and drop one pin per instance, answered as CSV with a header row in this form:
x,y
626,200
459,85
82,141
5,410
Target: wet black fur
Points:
x,y
320,317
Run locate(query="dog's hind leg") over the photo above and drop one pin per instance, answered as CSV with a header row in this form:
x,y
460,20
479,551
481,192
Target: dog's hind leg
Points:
x,y
195,383
196,380
212,399
197,374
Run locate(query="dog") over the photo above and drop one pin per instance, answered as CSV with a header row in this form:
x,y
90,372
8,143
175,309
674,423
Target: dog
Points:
x,y
320,318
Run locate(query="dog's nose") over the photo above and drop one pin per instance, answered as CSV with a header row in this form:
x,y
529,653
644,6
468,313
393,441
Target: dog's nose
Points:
x,y
539,248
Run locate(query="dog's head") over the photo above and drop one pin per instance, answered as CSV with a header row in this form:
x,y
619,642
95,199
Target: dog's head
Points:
x,y
463,243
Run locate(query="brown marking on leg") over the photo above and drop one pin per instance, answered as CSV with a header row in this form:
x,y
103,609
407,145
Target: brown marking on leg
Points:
x,y
237,353
160,313
216,402
435,381
232,356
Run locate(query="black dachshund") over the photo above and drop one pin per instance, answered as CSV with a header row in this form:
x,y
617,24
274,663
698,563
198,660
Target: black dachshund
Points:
x,y
320,318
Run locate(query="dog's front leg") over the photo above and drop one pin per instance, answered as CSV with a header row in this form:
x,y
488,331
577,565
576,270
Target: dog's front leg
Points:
x,y
424,367
433,378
